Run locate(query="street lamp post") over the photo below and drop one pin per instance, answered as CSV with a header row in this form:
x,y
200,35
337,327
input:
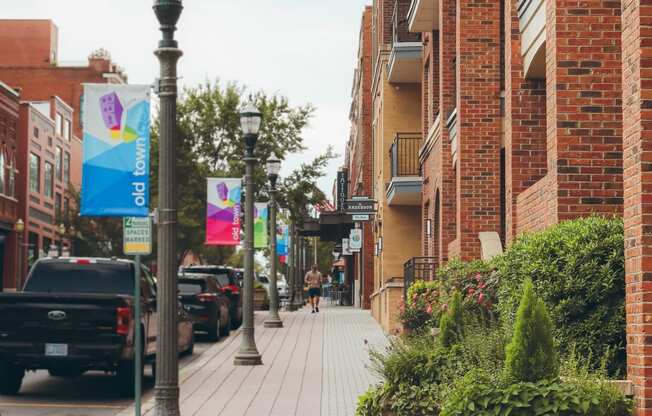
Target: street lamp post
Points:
x,y
61,232
167,360
19,227
273,168
250,119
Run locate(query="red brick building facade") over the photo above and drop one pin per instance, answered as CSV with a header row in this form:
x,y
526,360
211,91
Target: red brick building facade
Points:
x,y
29,61
9,173
359,156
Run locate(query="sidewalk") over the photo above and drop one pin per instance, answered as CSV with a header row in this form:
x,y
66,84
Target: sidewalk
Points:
x,y
315,365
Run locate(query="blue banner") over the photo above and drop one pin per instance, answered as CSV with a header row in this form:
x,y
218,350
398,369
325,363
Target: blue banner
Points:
x,y
115,170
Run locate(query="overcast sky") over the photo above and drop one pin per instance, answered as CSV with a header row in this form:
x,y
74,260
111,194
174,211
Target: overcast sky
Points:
x,y
304,49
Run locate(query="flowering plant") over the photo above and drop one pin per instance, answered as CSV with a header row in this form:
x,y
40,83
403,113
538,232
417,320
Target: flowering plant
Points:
x,y
422,307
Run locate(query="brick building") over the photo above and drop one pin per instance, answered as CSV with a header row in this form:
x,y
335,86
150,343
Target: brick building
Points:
x,y
9,244
29,55
46,148
396,132
358,156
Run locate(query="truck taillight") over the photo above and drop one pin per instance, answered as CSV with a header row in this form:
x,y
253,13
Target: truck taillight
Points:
x,y
123,320
206,297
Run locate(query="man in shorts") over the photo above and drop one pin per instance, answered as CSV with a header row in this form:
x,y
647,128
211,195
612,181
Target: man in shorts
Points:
x,y
313,280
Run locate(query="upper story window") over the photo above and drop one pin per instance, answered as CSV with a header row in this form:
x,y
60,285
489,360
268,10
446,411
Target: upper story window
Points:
x,y
66,129
3,168
36,132
48,185
11,182
66,168
34,173
58,163
58,119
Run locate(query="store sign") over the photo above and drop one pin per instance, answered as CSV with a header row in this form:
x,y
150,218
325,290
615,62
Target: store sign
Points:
x,y
342,189
355,239
360,217
137,236
346,247
360,206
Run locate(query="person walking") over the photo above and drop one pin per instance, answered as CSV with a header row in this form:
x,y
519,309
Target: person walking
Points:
x,y
314,280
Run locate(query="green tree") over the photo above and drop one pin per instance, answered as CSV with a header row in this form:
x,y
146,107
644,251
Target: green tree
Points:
x,y
451,325
531,355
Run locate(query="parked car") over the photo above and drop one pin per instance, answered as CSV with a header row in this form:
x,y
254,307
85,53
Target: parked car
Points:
x,y
76,314
227,279
207,303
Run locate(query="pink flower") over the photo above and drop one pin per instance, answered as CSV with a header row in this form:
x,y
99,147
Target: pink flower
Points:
x,y
429,310
478,276
481,298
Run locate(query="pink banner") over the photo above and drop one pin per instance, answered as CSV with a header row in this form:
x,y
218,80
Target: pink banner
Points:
x,y
223,211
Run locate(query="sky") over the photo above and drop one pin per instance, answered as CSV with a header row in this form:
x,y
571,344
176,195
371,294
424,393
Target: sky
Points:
x,y
303,49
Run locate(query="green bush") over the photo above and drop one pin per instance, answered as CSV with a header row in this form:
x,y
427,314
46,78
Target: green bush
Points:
x,y
421,310
476,282
479,394
531,356
577,269
451,327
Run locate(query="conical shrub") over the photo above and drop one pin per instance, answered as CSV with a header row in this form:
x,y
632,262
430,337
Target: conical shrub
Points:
x,y
531,354
451,325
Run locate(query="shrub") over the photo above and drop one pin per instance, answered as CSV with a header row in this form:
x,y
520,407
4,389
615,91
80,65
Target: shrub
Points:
x,y
421,309
531,356
577,269
476,282
369,403
478,394
451,328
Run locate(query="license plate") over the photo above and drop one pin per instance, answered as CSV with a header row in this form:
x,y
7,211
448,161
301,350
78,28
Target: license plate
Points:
x,y
56,350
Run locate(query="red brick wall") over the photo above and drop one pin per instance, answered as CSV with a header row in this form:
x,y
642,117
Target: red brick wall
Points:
x,y
637,123
525,132
584,107
479,122
28,42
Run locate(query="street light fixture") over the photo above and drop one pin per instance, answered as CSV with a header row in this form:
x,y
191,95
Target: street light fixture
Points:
x,y
250,120
273,169
167,359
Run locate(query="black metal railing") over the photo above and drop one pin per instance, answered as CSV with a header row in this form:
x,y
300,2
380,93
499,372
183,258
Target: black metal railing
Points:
x,y
405,154
418,268
400,25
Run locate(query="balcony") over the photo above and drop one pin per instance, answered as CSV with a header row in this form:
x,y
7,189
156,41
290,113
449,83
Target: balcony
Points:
x,y
532,23
405,59
405,186
418,268
423,16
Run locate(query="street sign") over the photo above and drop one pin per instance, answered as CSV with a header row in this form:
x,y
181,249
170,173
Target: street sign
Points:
x,y
355,239
137,236
360,217
346,248
360,206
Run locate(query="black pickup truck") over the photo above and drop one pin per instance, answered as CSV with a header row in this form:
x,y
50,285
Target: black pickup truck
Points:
x,y
75,315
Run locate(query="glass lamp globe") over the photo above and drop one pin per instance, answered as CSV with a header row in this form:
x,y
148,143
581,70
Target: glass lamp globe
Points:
x,y
250,119
273,165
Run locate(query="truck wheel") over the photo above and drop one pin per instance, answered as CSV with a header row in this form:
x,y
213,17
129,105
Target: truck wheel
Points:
x,y
11,378
126,374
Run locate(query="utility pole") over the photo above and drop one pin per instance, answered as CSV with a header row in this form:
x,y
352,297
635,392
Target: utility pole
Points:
x,y
167,358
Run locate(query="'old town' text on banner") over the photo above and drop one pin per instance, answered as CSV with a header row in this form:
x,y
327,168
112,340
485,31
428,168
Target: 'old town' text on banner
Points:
x,y
260,224
115,171
223,211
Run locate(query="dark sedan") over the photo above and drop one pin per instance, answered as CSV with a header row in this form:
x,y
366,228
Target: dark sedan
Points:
x,y
226,278
207,303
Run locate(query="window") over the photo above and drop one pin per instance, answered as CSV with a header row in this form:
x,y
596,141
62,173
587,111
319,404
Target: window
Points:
x,y
58,155
34,173
3,167
66,129
66,209
57,207
36,132
49,141
11,185
66,168
48,186
59,124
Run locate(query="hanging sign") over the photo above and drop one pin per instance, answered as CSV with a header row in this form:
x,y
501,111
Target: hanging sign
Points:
x,y
342,189
115,168
355,239
137,236
260,224
346,247
223,211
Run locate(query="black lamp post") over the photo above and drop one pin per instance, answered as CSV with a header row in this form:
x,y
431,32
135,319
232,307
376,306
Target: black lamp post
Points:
x,y
167,361
250,119
273,319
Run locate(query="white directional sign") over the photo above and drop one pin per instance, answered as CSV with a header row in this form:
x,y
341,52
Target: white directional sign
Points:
x,y
360,217
137,236
355,239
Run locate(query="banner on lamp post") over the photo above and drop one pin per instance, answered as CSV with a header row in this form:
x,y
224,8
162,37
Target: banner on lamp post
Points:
x,y
261,214
223,211
115,168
